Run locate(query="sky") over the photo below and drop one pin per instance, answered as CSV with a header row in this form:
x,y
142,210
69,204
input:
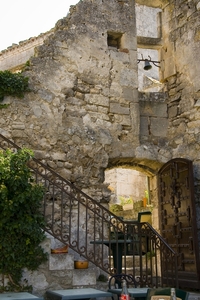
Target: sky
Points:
x,y
22,19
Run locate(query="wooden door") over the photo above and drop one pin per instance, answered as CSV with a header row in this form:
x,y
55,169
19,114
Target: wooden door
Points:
x,y
178,218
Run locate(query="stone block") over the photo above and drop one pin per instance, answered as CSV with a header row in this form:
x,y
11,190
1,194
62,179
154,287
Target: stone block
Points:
x,y
116,108
193,124
45,95
130,94
36,279
129,77
153,109
104,137
133,55
39,154
37,111
123,120
84,277
159,127
59,156
152,96
18,125
144,126
96,99
169,67
172,111
135,117
18,133
61,261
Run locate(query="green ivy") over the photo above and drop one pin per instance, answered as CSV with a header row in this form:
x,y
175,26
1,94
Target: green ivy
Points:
x,y
4,106
21,220
12,84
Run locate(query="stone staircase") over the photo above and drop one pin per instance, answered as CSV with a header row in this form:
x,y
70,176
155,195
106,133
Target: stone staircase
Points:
x,y
59,273
77,220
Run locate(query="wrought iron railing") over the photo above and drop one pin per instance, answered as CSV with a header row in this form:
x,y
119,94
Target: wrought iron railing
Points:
x,y
94,233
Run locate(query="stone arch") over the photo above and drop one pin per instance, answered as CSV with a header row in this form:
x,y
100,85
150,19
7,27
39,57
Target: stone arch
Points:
x,y
145,165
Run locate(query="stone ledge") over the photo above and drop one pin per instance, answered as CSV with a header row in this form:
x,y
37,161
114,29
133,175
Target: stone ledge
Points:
x,y
141,40
153,96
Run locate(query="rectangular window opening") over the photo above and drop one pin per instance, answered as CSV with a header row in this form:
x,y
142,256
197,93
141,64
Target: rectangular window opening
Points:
x,y
114,39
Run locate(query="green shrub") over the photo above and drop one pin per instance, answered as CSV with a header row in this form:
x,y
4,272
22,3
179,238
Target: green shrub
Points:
x,y
12,84
21,220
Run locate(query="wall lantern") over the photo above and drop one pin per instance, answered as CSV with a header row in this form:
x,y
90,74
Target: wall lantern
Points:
x,y
147,65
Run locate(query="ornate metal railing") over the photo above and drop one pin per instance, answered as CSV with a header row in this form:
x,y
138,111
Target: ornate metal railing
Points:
x,y
94,233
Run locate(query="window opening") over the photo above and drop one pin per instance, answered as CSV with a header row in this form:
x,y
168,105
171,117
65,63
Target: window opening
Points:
x,y
114,39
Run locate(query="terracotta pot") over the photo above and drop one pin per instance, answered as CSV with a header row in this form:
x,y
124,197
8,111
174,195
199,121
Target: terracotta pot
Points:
x,y
60,250
145,202
78,264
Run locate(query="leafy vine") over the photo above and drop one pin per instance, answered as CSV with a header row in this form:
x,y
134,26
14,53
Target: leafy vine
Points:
x,y
21,219
12,84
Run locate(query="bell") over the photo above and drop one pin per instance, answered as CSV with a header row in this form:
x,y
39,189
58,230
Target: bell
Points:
x,y
147,65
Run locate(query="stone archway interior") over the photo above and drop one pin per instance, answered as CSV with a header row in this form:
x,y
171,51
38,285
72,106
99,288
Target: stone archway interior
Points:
x,y
131,192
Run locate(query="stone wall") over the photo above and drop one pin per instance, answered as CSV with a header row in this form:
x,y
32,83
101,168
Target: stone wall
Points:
x,y
148,24
83,109
84,113
148,21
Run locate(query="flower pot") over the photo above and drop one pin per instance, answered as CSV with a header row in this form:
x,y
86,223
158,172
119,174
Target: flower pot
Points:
x,y
60,250
145,201
78,264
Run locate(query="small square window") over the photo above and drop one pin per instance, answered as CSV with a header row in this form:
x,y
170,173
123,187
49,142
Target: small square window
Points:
x,y
114,39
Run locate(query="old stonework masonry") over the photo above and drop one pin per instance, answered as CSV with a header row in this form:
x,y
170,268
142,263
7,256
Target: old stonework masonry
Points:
x,y
87,110
83,109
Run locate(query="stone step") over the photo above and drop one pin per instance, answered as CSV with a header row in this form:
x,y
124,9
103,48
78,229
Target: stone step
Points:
x,y
130,261
62,265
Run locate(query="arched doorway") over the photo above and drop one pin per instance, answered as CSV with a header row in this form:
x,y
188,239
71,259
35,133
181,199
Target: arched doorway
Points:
x,y
132,191
171,200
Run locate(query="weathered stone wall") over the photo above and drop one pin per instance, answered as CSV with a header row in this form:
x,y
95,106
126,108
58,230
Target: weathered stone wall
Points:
x,y
148,22
83,109
84,113
182,45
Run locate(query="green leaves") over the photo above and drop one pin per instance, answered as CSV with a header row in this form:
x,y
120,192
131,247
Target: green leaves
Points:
x,y
12,84
21,220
